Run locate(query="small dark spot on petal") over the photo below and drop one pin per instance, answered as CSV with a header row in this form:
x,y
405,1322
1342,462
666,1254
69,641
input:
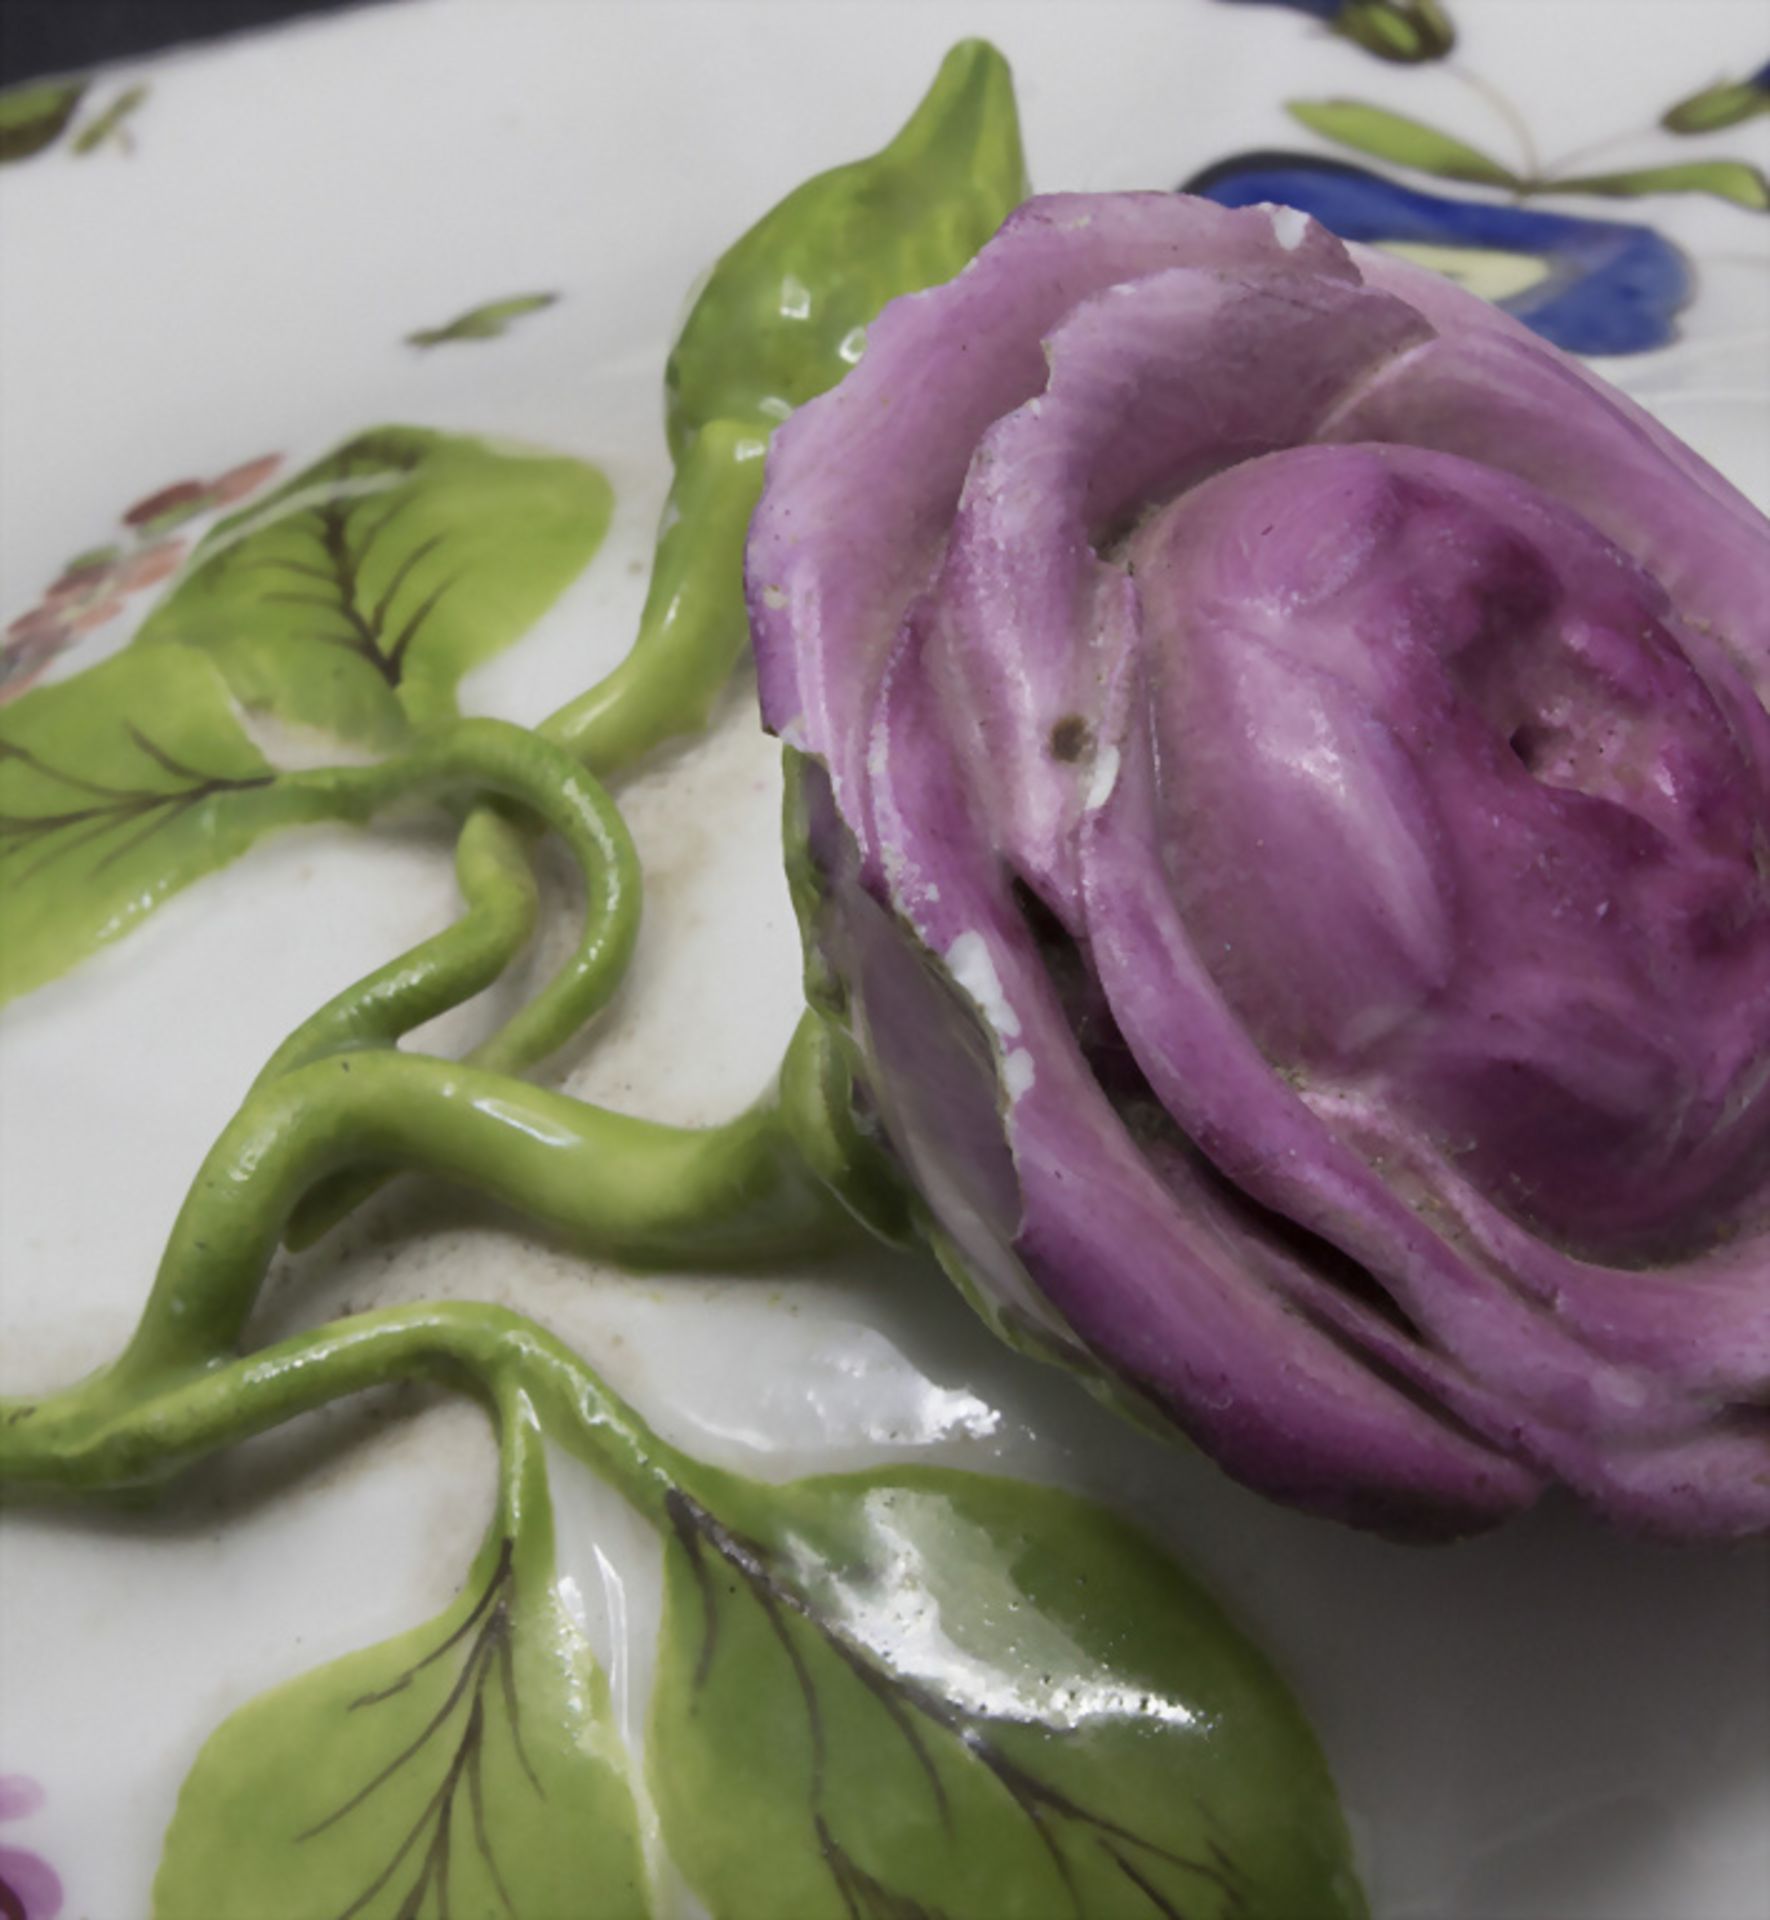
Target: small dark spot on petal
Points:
x,y
1069,738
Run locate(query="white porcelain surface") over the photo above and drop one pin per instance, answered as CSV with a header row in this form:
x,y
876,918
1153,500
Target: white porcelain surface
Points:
x,y
1548,1724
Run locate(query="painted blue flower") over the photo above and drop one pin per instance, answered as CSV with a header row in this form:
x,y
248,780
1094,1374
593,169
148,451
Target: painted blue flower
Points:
x,y
1403,30
1590,286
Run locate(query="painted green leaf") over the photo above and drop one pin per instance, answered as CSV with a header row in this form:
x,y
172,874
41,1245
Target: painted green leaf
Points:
x,y
110,123
1726,104
118,787
483,323
925,1695
784,312
1405,31
1394,137
32,118
354,597
470,1769
1732,180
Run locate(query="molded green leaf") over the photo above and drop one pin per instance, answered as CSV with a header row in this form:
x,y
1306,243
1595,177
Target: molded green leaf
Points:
x,y
32,118
483,323
468,1769
925,1695
118,787
1732,180
1409,143
354,597
784,313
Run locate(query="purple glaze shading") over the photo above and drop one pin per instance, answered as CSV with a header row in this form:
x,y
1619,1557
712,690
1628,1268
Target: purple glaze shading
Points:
x,y
1292,794
30,1888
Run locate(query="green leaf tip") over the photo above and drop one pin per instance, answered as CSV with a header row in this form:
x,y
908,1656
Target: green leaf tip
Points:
x,y
1395,137
485,322
1729,103
784,313
1733,180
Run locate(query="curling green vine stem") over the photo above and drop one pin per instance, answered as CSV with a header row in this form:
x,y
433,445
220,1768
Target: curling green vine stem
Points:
x,y
110,1434
630,1190
692,633
494,756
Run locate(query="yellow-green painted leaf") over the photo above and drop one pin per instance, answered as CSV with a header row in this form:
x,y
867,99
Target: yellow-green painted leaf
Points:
x,y
925,1695
110,122
1732,180
118,787
353,598
32,117
469,1771
784,312
483,323
1394,137
1405,31
1727,104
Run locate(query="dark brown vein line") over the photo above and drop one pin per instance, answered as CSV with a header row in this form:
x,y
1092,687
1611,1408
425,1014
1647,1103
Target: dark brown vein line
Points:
x,y
469,1671
477,1805
401,574
499,1628
397,653
493,1585
1153,1894
681,1522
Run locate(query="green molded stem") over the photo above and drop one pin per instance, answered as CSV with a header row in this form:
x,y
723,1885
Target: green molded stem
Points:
x,y
488,756
492,871
692,630
630,1190
110,1434
692,633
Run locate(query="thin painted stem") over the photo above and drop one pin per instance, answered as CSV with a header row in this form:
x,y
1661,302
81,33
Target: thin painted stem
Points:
x,y
1504,107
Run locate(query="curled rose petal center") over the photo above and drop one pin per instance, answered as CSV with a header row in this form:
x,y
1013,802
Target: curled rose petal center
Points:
x,y
1461,831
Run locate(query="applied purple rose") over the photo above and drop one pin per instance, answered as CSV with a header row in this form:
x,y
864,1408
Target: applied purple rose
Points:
x,y
1287,773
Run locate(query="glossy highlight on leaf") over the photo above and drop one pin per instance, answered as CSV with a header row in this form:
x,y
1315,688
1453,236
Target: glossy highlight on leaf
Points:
x,y
1393,136
932,1695
485,322
354,597
784,314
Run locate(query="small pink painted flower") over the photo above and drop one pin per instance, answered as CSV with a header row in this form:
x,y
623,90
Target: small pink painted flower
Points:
x,y
30,1888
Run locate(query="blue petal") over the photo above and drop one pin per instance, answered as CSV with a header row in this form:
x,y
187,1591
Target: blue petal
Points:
x,y
1609,286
